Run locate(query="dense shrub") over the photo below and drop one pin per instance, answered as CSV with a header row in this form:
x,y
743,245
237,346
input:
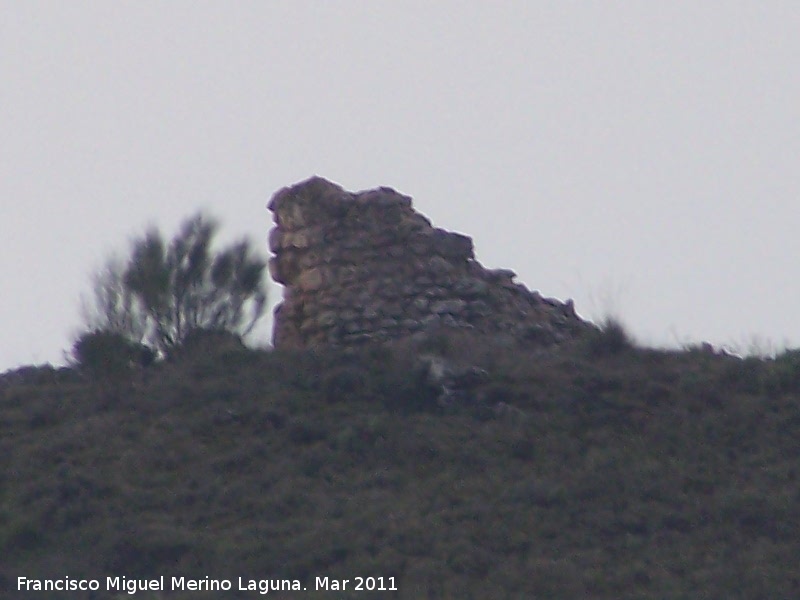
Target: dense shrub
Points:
x,y
108,353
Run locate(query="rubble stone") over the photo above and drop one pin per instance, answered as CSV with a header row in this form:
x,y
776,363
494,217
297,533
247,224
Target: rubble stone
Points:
x,y
361,267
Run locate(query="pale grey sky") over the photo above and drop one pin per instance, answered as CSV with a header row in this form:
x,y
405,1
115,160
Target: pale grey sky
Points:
x,y
638,157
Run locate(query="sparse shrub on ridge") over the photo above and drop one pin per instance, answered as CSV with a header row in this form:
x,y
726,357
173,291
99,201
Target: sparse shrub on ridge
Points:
x,y
164,292
611,337
785,371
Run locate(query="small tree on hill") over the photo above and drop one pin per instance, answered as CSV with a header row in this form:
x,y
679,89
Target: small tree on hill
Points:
x,y
164,290
113,307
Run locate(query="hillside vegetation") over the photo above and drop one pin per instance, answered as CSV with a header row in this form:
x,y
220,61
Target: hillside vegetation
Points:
x,y
599,470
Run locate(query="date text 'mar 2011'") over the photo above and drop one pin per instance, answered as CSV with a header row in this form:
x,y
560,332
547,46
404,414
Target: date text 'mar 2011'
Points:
x,y
357,584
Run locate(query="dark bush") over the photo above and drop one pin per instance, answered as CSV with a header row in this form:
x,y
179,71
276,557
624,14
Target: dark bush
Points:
x,y
105,353
785,372
610,338
201,342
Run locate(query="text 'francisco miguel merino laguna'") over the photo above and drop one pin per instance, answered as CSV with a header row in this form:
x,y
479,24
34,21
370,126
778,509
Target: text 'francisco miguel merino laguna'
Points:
x,y
158,584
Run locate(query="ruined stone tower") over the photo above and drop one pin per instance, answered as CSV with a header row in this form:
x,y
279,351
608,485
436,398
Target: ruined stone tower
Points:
x,y
360,267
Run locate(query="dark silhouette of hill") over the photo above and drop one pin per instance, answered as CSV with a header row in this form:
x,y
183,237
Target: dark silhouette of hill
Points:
x,y
594,470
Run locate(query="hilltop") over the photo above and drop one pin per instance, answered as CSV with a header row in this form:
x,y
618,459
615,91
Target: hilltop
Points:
x,y
421,420
594,469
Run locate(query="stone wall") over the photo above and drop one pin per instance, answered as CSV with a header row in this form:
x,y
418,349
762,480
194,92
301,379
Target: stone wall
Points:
x,y
365,266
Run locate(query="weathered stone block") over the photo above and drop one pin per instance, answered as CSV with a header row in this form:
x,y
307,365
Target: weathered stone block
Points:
x,y
470,287
393,309
311,280
435,292
438,264
349,314
275,240
299,239
453,307
421,303
388,323
452,245
479,308
356,327
277,270
326,318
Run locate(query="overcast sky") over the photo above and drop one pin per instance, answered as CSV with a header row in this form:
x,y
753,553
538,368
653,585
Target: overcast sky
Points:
x,y
639,157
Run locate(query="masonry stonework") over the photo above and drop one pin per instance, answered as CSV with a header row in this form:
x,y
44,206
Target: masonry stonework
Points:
x,y
366,267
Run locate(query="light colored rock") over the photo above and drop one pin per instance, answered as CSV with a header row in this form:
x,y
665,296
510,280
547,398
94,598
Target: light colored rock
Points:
x,y
311,280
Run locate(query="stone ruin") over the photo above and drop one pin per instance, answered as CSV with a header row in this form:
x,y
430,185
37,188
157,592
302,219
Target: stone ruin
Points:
x,y
366,267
